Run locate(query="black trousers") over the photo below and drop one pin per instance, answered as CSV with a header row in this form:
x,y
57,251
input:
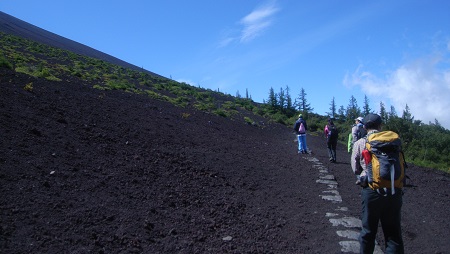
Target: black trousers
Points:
x,y
331,147
377,208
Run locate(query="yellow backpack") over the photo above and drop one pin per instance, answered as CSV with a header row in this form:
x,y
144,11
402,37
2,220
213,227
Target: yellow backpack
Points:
x,y
386,165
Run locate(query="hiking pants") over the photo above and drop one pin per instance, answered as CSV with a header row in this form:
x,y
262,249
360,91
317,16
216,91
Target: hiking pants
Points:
x,y
331,147
387,210
302,142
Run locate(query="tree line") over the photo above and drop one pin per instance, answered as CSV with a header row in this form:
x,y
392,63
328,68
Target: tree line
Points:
x,y
425,145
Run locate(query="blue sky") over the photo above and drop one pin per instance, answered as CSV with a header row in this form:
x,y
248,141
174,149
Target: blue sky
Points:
x,y
395,52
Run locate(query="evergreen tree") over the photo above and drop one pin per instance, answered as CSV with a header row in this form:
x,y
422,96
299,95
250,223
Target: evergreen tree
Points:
x,y
393,123
282,100
407,115
437,124
332,108
302,103
353,110
341,113
383,113
289,104
392,113
272,101
366,108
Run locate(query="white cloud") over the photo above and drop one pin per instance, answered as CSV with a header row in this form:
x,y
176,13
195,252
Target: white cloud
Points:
x,y
250,26
187,81
258,20
226,41
423,85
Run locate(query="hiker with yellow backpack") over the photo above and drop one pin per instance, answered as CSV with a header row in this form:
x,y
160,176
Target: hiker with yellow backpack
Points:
x,y
379,161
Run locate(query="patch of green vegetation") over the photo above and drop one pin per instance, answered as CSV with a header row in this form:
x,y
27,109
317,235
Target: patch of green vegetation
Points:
x,y
99,87
53,78
39,72
28,87
180,101
229,105
205,106
157,96
221,112
249,121
4,63
245,103
120,85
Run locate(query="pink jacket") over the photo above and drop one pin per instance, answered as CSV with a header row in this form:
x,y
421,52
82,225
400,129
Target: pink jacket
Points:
x,y
326,131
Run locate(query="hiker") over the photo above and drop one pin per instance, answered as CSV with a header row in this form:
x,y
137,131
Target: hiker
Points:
x,y
378,204
331,134
358,130
300,128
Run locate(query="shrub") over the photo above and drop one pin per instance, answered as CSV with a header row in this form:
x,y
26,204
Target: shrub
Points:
x,y
180,101
4,63
249,121
42,73
52,78
28,87
23,69
156,96
99,87
220,112
229,105
205,106
119,85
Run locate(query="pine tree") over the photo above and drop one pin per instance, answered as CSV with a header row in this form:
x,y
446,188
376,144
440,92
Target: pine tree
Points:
x,y
392,113
366,107
272,100
302,103
383,113
289,105
353,110
341,113
332,108
282,99
407,115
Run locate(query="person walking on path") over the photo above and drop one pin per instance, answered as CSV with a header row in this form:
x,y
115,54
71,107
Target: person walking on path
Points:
x,y
300,128
331,134
376,207
358,130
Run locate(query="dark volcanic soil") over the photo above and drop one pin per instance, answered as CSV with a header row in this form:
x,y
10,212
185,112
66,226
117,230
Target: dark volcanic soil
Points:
x,y
87,171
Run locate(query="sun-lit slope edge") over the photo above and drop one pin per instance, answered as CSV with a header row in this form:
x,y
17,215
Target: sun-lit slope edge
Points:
x,y
15,26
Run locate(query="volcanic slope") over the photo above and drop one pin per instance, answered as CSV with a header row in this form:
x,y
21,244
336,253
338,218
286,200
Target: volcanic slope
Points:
x,y
84,170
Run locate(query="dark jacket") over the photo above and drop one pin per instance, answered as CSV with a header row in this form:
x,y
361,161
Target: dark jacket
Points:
x,y
297,125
